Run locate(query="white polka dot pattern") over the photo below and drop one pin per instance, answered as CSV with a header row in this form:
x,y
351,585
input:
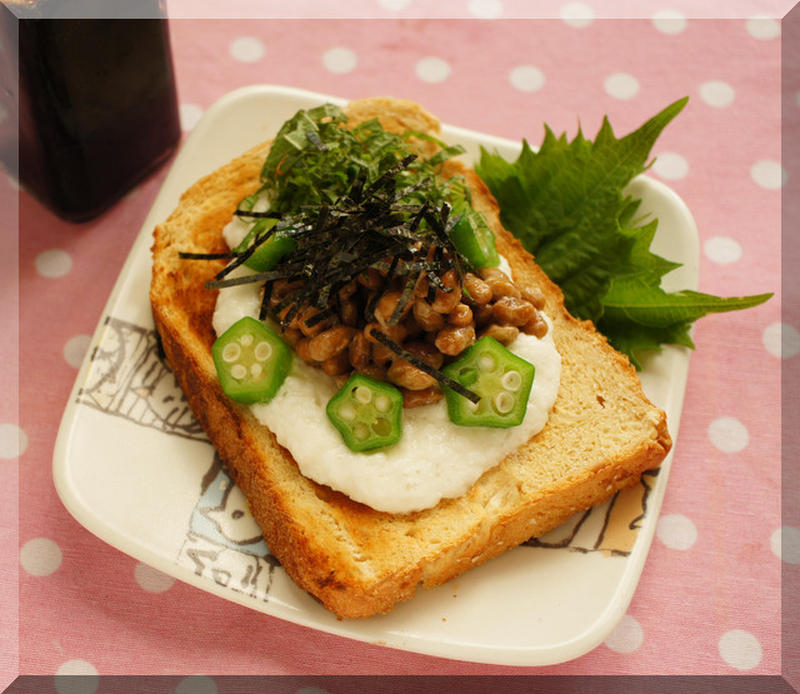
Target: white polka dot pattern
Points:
x,y
485,9
339,60
190,114
785,544
676,531
54,263
394,5
577,14
768,174
763,28
247,49
740,649
77,676
13,441
717,93
621,85
671,166
526,78
669,21
781,340
75,350
626,637
152,580
40,557
728,434
433,69
722,250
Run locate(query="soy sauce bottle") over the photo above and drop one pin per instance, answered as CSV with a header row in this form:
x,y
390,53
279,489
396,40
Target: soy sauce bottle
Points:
x,y
97,103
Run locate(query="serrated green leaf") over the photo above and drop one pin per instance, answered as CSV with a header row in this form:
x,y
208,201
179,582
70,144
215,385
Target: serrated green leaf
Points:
x,y
635,299
642,262
633,339
565,203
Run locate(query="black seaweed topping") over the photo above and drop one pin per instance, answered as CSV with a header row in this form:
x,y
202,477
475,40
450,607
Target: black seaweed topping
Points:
x,y
186,255
263,311
257,215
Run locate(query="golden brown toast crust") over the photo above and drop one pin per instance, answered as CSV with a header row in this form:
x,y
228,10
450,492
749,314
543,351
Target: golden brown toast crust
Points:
x,y
601,435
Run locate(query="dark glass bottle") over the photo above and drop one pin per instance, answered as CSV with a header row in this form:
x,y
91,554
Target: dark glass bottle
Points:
x,y
97,107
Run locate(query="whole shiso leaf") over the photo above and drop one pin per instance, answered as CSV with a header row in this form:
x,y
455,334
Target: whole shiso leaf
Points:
x,y
565,203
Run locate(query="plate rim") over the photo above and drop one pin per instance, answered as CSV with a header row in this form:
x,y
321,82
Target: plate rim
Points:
x,y
578,645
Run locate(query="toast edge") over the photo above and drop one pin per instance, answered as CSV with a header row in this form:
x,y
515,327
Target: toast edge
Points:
x,y
309,561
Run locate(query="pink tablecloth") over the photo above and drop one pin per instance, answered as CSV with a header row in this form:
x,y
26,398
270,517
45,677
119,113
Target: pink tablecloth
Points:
x,y
709,598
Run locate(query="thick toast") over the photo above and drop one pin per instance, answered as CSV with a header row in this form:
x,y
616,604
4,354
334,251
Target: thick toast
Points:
x,y
601,435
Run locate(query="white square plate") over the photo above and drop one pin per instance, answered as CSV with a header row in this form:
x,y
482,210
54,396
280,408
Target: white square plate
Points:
x,y
132,465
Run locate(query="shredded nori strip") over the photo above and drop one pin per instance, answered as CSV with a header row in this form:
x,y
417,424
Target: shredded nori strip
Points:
x,y
186,255
424,366
433,278
265,299
405,297
319,317
442,227
268,214
245,255
294,309
247,279
387,178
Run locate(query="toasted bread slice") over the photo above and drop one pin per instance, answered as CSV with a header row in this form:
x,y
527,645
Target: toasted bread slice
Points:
x,y
601,435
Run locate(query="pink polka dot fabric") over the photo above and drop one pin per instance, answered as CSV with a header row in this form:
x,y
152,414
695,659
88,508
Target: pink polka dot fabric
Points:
x,y
709,599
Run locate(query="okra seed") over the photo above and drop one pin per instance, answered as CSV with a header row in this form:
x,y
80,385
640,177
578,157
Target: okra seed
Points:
x,y
246,340
473,406
486,362
360,430
238,371
362,395
504,402
256,370
348,412
263,351
382,403
382,427
512,380
231,352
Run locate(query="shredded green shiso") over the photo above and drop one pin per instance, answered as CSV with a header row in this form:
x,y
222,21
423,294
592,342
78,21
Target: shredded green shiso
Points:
x,y
315,161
